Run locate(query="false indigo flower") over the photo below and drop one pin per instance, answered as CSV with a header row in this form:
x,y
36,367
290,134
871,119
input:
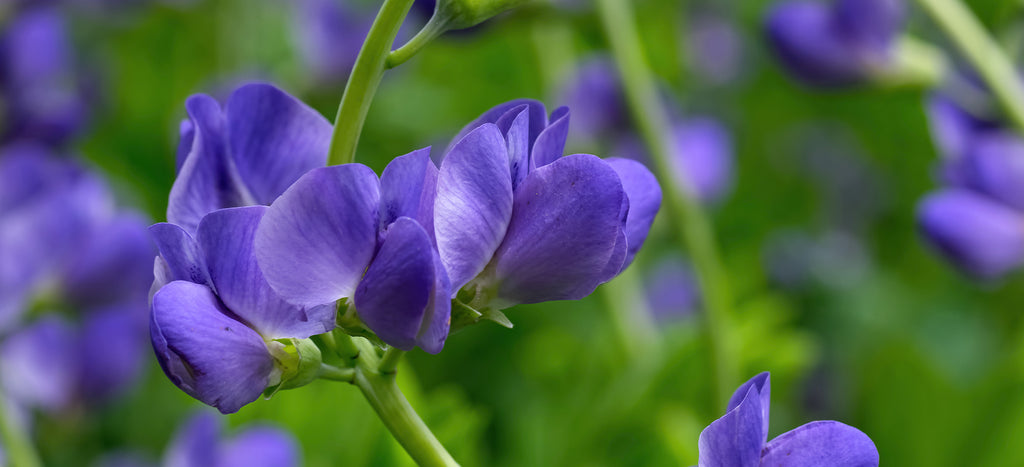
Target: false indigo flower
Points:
x,y
740,437
198,443
220,333
340,232
980,236
834,45
41,99
715,48
594,92
672,291
330,34
244,154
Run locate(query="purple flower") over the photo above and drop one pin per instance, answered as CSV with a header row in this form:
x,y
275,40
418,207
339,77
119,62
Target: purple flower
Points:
x,y
594,92
40,95
703,159
715,48
740,437
834,45
218,330
244,154
199,443
330,34
983,238
672,291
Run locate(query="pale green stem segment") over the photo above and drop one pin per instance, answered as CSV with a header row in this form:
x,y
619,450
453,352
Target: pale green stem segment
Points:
x,y
364,79
633,320
333,373
690,223
984,53
434,28
375,377
17,446
915,63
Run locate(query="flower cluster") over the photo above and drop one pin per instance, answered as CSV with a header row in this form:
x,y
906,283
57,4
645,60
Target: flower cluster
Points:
x,y
505,219
977,220
740,437
82,266
836,44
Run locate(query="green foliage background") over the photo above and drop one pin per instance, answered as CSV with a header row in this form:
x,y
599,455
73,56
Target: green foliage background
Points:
x,y
928,364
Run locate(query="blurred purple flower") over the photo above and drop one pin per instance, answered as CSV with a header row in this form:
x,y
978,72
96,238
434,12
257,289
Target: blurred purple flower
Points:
x,y
740,437
42,99
703,162
672,291
715,48
199,443
981,237
247,153
594,92
214,320
836,44
330,34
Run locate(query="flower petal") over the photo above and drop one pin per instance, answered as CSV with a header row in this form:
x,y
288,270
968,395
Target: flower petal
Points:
x,y
474,203
804,36
822,443
565,222
207,180
408,187
437,318
274,139
995,166
112,351
39,363
316,240
703,158
204,352
538,119
181,255
115,266
736,439
196,442
393,296
226,238
644,195
550,143
981,237
260,446
515,125
763,386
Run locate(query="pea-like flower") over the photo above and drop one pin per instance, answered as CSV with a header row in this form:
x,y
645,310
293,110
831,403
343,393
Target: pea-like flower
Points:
x,y
200,441
836,44
740,437
245,154
220,333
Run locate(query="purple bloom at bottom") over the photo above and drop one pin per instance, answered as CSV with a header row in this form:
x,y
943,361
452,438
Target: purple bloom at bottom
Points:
x,y
199,444
983,238
740,437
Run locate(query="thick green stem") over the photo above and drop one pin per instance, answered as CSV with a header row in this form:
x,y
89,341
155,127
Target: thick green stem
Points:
x,y
375,377
17,446
687,215
362,83
984,53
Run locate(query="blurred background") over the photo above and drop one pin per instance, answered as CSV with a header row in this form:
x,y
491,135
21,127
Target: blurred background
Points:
x,y
813,195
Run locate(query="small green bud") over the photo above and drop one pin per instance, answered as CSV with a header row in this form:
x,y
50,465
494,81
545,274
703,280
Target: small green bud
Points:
x,y
461,14
297,362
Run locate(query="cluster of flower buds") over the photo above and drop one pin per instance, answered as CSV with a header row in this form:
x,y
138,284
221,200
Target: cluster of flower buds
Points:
x,y
977,220
505,219
837,44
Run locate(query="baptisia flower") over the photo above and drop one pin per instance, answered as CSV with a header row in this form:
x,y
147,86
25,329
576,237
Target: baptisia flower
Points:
x,y
244,154
200,443
740,437
837,44
220,333
70,254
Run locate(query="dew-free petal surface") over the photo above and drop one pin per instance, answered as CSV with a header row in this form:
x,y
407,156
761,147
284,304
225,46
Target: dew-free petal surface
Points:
x,y
821,443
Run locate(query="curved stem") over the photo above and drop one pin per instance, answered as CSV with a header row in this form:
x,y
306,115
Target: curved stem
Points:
x,y
363,82
333,373
917,63
983,52
434,28
389,362
17,446
690,223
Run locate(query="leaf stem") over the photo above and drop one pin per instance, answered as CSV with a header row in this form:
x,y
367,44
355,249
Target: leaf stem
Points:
x,y
17,445
364,79
692,226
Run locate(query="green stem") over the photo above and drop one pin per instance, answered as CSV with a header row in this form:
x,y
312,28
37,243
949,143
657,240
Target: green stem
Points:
x,y
983,52
382,392
434,28
631,316
362,83
691,224
333,373
18,447
916,63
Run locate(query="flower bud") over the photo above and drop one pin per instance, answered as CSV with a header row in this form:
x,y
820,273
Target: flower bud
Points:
x,y
297,360
462,14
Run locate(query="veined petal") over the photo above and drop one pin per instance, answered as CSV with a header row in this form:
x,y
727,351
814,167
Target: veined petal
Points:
x,y
274,138
207,354
538,119
207,180
408,187
181,255
260,446
316,240
437,318
393,296
735,440
226,237
474,203
565,222
644,195
822,443
515,125
763,388
550,143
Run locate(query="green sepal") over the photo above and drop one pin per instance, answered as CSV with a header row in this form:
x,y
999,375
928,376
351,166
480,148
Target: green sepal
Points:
x,y
464,315
297,362
461,14
349,321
